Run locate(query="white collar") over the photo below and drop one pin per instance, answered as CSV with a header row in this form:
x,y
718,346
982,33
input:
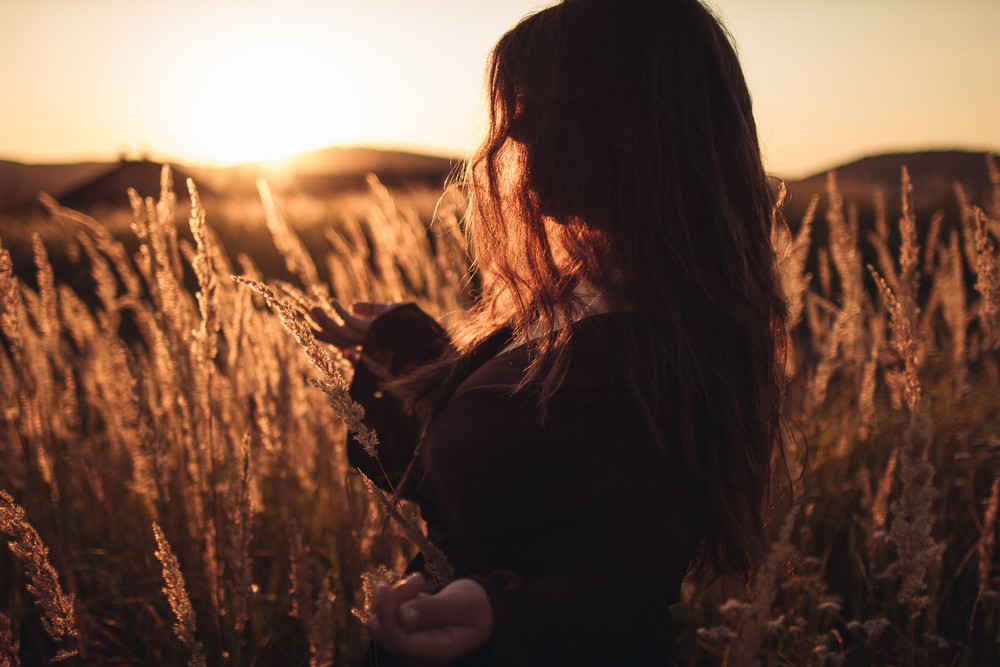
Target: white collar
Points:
x,y
591,300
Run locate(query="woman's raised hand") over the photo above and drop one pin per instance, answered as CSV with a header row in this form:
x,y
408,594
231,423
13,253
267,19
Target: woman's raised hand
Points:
x,y
431,630
355,322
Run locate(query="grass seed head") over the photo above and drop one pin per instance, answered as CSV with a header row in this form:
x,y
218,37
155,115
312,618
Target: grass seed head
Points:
x,y
57,607
177,596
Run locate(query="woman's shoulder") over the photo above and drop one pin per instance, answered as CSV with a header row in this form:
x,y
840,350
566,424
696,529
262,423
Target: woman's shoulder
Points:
x,y
592,362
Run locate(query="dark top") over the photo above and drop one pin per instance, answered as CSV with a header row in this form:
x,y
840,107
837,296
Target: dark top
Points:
x,y
576,526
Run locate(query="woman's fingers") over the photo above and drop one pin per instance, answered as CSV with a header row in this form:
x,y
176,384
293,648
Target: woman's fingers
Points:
x,y
385,623
389,598
352,328
409,588
371,308
333,332
461,604
351,320
382,620
357,324
432,629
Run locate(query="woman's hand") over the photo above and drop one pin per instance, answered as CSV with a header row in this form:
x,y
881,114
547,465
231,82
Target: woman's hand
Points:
x,y
356,322
431,630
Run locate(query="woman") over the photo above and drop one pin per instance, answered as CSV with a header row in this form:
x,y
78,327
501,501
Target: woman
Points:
x,y
609,420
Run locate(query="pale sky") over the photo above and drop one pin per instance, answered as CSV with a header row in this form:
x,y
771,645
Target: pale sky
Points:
x,y
225,81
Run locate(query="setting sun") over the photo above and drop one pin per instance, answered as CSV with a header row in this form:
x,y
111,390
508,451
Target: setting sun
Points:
x,y
264,100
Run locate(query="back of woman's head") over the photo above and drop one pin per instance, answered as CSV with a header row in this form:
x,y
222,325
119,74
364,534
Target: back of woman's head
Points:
x,y
622,152
621,133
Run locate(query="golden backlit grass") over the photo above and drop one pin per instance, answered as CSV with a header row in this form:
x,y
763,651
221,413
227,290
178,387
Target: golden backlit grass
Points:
x,y
173,467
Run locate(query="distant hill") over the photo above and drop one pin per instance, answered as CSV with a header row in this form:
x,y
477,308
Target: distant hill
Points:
x,y
363,160
111,186
336,169
332,170
328,171
21,183
933,174
885,168
321,172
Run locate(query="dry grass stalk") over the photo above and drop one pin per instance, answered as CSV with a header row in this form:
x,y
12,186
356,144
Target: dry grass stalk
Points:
x,y
102,239
846,256
881,217
988,543
241,533
163,366
299,574
835,340
913,516
211,558
38,377
880,504
10,305
237,326
954,309
987,281
986,549
346,268
932,241
177,596
994,172
320,629
370,581
160,262
411,247
105,285
825,272
204,345
350,263
967,219
204,269
166,205
866,391
387,240
57,607
10,412
440,570
110,388
909,254
792,253
144,257
9,647
876,533
902,341
765,589
297,259
451,254
47,323
22,312
333,382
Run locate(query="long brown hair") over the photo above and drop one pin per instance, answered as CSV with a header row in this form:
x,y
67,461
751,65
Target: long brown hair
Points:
x,y
622,152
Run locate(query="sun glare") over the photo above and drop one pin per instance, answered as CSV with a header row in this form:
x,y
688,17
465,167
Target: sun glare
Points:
x,y
258,100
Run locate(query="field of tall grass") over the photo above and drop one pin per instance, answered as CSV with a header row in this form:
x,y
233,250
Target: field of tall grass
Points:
x,y
174,486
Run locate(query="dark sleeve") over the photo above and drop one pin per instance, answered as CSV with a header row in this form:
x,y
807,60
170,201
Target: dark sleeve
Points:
x,y
581,617
398,341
